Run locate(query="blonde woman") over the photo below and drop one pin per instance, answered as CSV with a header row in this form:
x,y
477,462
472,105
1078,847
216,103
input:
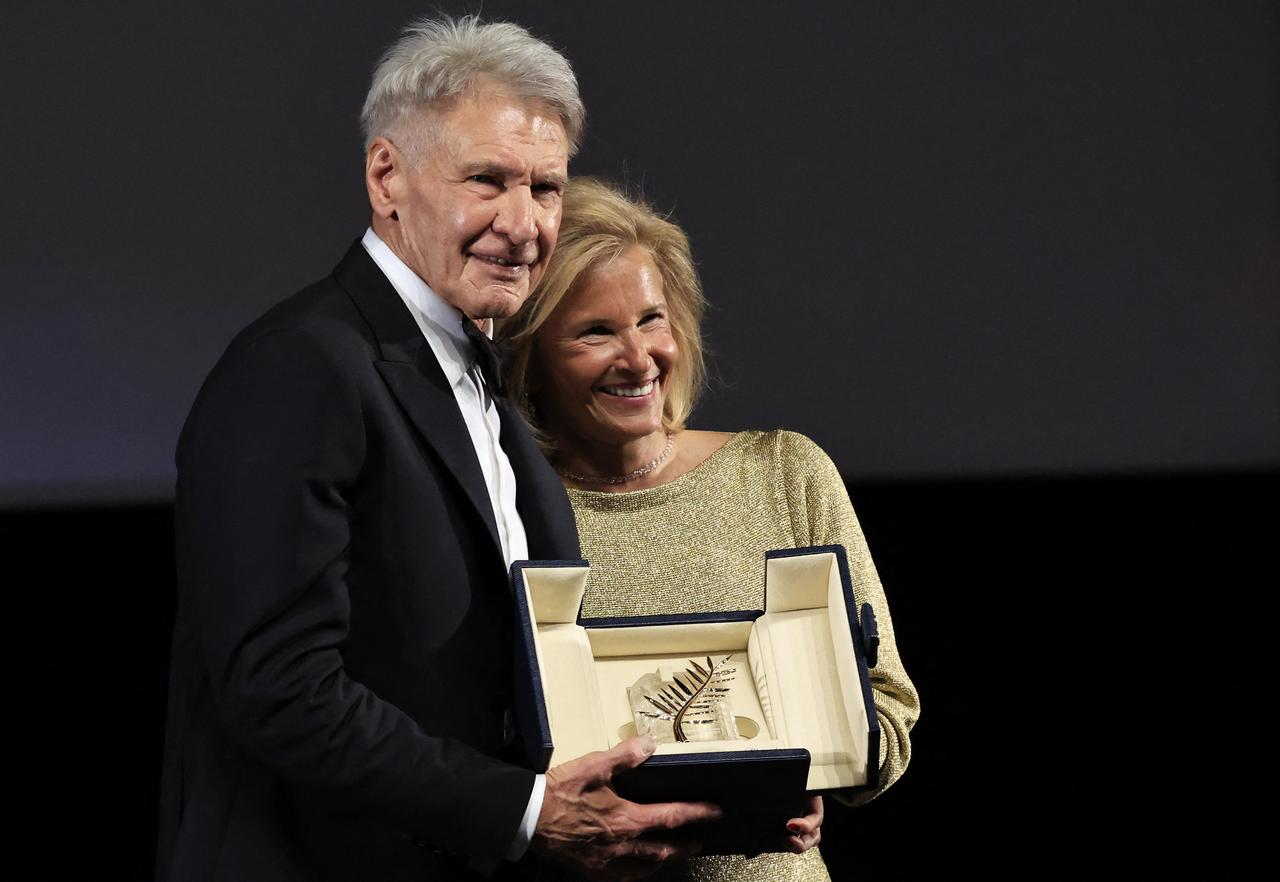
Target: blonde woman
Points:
x,y
606,363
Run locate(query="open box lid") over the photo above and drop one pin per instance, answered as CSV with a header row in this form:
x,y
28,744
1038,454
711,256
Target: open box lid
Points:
x,y
808,654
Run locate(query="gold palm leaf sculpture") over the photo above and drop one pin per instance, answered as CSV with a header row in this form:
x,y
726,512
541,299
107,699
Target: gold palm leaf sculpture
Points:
x,y
695,698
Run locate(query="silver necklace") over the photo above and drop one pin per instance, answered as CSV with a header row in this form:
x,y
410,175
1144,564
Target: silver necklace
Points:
x,y
645,469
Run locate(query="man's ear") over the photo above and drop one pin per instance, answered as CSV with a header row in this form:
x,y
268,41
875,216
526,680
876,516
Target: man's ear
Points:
x,y
383,169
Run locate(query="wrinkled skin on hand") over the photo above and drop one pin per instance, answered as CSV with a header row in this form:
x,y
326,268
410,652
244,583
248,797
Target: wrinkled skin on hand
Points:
x,y
587,826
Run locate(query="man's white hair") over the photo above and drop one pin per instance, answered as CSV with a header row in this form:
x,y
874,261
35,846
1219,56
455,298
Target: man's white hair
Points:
x,y
436,60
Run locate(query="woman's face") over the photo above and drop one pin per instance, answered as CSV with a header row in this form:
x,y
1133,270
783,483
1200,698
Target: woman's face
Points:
x,y
603,360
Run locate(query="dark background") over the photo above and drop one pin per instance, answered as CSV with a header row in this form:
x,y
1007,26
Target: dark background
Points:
x,y
1014,265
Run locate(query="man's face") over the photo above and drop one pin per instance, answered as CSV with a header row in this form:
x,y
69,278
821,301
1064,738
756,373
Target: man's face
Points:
x,y
477,221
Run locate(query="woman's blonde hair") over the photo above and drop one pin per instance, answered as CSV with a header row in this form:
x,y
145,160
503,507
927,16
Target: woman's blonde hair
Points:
x,y
600,221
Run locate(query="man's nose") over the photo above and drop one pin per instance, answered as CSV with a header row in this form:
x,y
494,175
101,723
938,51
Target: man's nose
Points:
x,y
515,218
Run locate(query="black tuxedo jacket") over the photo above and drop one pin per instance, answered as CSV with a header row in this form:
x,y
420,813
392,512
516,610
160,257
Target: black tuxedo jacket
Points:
x,y
342,652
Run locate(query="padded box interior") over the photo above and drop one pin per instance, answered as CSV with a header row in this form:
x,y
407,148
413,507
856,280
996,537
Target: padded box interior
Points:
x,y
797,678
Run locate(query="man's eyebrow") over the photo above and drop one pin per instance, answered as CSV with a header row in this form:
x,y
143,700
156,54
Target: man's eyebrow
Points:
x,y
555,179
489,167
499,169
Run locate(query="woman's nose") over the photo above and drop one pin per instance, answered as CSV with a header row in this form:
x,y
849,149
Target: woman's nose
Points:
x,y
635,355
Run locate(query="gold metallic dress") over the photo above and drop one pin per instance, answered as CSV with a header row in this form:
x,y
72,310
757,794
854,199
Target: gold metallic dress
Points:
x,y
697,545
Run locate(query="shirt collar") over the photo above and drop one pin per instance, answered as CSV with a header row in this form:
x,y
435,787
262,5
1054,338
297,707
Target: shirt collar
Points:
x,y
439,321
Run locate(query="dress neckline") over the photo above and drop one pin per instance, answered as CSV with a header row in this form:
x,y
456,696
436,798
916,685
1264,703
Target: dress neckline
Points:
x,y
633,499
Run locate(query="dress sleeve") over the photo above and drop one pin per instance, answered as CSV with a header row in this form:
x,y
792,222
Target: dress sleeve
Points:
x,y
822,514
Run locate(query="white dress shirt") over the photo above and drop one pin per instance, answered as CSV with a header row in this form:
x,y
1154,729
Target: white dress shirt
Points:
x,y
441,325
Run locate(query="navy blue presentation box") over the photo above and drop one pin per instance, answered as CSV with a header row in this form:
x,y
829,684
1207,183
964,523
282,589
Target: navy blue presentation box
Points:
x,y
801,693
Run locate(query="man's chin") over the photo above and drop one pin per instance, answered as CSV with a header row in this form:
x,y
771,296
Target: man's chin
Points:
x,y
502,302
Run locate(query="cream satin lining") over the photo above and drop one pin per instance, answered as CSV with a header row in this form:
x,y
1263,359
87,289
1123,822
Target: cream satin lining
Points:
x,y
797,674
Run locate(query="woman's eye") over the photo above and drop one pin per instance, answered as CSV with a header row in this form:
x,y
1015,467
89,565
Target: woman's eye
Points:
x,y
652,317
595,331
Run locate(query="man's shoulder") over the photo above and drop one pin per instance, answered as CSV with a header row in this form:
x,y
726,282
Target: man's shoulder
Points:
x,y
321,310
311,348
320,331
324,314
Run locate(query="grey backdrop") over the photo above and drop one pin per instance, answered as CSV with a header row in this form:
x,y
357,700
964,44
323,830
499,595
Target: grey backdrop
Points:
x,y
942,239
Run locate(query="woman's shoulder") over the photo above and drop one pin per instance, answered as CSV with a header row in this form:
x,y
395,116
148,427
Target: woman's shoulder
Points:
x,y
789,453
703,443
790,448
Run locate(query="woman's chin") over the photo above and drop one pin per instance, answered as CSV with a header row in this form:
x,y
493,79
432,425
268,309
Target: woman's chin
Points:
x,y
626,425
650,429
630,433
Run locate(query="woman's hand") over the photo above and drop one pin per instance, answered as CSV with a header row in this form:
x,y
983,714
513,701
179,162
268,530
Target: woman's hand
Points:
x,y
806,832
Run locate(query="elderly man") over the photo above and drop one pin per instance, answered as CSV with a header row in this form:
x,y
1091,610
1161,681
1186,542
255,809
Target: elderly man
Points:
x,y
350,496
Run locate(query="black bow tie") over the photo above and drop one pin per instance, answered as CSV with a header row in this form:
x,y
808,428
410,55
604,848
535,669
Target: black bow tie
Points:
x,y
488,358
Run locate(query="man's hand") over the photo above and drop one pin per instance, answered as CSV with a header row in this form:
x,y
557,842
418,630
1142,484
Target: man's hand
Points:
x,y
586,825
806,832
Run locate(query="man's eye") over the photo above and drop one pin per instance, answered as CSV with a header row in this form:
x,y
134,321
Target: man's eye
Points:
x,y
490,180
546,189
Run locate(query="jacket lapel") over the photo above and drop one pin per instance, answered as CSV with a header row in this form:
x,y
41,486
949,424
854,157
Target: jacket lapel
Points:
x,y
411,372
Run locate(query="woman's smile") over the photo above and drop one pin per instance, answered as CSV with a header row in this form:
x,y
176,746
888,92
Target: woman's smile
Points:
x,y
603,358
